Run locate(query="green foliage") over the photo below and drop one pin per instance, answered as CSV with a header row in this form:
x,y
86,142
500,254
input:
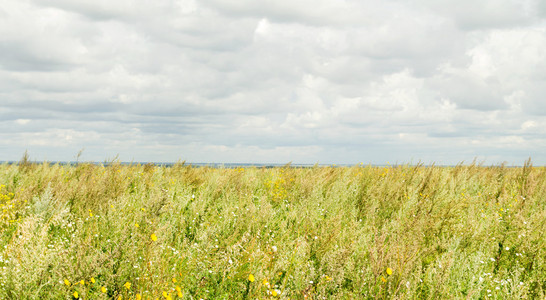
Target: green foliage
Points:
x,y
323,232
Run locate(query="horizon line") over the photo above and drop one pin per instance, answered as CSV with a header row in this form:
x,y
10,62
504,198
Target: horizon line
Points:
x,y
270,165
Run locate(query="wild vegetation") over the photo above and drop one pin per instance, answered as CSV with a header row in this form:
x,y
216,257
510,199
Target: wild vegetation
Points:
x,y
151,232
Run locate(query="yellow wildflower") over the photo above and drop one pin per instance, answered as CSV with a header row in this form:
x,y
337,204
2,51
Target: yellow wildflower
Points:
x,y
251,278
76,295
174,280
153,237
138,297
92,280
179,291
389,271
274,293
127,285
136,225
103,289
383,279
67,282
82,282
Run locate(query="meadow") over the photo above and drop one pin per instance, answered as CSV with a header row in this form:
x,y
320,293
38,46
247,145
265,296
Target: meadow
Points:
x,y
153,232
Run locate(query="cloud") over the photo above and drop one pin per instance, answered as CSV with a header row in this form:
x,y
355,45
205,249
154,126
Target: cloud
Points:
x,y
275,81
107,10
324,12
485,14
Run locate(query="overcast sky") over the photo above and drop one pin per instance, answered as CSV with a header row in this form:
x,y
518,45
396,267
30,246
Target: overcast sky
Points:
x,y
274,81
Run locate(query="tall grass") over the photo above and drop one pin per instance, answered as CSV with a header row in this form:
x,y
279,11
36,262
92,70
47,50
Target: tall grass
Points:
x,y
144,231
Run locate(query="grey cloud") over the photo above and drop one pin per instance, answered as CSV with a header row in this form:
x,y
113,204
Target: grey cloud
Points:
x,y
64,107
466,132
542,8
107,10
98,12
323,12
18,57
533,101
469,93
477,15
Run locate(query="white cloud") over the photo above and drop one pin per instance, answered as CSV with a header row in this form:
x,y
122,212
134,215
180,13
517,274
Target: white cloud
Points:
x,y
529,125
22,121
273,81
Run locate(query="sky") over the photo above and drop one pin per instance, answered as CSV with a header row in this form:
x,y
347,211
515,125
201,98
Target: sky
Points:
x,y
274,81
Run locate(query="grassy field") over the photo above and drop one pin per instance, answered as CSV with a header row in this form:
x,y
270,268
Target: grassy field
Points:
x,y
181,232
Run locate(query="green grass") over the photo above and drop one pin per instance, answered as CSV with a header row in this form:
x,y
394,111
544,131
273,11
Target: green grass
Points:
x,y
303,233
